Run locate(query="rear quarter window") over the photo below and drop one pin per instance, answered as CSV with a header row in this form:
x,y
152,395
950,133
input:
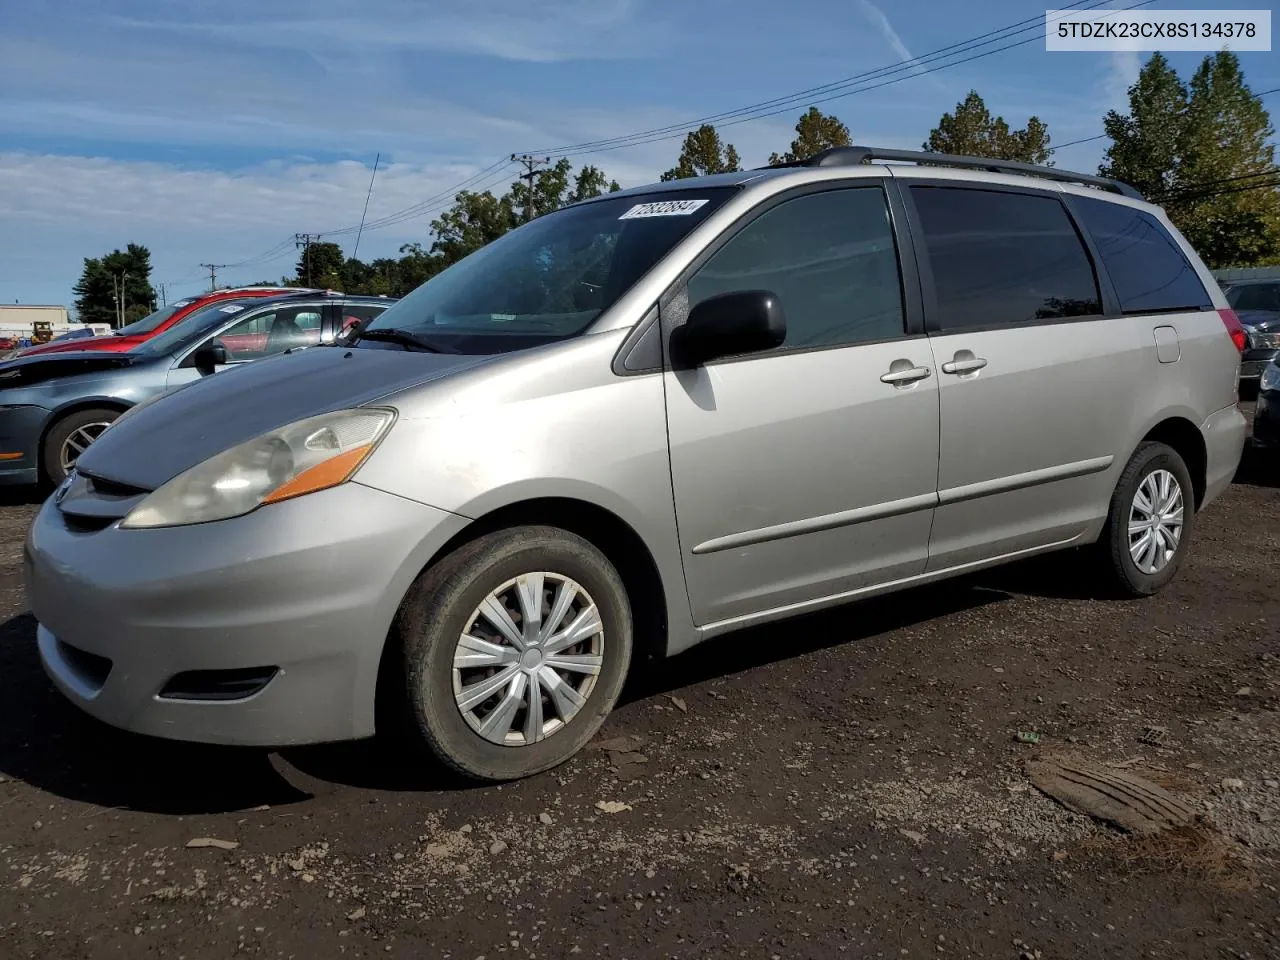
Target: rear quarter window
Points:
x,y
1146,265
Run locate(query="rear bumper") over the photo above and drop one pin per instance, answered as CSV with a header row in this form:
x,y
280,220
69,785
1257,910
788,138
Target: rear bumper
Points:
x,y
1224,436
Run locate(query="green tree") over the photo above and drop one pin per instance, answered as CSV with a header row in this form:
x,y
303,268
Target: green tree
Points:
x,y
591,182
320,265
815,132
474,220
1147,142
1219,208
119,279
547,192
1196,149
703,153
972,131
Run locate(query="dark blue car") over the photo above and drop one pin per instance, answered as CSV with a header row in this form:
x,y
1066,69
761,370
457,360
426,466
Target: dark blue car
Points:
x,y
1257,304
52,406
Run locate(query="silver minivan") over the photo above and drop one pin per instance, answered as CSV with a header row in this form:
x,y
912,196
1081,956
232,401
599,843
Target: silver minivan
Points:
x,y
634,424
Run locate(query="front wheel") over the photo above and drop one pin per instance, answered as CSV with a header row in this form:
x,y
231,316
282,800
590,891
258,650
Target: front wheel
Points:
x,y
70,437
516,647
1150,520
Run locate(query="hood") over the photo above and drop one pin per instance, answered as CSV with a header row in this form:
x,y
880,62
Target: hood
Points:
x,y
217,412
1259,319
79,345
23,371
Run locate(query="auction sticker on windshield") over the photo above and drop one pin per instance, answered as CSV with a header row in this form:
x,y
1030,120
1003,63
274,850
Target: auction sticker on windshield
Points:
x,y
663,208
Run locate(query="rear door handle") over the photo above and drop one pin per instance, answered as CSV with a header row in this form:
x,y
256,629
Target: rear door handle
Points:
x,y
905,375
968,365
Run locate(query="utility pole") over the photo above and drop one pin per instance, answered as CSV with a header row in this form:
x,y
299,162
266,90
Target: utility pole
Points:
x,y
124,297
530,164
213,269
164,301
305,240
115,298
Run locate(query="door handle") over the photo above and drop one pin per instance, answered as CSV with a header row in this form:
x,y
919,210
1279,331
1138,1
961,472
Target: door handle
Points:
x,y
905,375
970,364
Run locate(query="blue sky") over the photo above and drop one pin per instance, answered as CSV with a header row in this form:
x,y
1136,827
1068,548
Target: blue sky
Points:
x,y
213,132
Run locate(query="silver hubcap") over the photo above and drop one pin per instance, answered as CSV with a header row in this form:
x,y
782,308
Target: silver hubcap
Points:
x,y
529,659
1155,521
78,442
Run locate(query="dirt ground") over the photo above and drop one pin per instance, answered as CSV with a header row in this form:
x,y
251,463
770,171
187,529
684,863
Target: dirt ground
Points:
x,y
847,784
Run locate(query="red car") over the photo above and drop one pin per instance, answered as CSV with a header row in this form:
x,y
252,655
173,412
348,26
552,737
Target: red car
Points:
x,y
140,331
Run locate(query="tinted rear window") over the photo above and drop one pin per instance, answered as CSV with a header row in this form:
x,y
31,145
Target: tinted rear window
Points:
x,y
1003,258
1146,265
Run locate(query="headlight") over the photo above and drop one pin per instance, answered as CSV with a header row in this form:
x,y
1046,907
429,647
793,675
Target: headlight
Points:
x,y
1264,341
1270,377
310,455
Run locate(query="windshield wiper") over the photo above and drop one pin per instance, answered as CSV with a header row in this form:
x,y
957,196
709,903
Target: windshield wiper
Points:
x,y
402,337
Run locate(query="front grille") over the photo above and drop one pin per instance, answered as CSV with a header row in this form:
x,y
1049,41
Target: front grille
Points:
x,y
92,669
112,488
81,524
218,684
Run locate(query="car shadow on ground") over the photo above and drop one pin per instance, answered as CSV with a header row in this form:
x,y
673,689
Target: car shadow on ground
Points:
x,y
50,744
1259,468
22,496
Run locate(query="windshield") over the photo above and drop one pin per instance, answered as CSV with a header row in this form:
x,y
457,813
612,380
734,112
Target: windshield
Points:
x,y
548,279
152,320
191,328
1255,296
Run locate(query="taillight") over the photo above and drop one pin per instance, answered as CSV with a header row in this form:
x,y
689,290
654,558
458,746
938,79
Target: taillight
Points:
x,y
1232,323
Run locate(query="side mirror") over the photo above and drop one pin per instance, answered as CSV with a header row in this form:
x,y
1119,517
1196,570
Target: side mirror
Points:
x,y
748,321
209,357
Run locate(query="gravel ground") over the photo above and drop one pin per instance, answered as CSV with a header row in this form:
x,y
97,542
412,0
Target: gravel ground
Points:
x,y
846,784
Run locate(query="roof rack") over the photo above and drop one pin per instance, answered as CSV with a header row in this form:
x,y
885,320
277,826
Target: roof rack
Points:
x,y
853,156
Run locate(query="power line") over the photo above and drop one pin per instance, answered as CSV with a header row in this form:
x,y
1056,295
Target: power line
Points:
x,y
366,205
1243,99
991,36
213,269
530,164
304,240
678,130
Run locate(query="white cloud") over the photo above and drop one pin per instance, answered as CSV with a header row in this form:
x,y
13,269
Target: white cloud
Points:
x,y
70,207
546,32
878,19
1125,66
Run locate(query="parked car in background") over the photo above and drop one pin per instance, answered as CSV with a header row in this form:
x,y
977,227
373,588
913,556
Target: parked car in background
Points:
x,y
1257,304
132,334
1266,414
633,424
53,406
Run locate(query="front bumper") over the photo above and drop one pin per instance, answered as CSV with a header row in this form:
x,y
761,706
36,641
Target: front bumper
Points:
x,y
1266,421
308,587
21,427
1254,361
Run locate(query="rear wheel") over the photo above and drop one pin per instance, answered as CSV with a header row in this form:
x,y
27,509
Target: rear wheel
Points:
x,y
1149,524
69,437
516,647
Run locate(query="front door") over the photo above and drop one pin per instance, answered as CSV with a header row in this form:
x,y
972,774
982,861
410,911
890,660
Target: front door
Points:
x,y
808,471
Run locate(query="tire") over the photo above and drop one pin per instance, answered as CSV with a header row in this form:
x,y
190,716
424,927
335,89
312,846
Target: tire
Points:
x,y
72,429
444,603
1150,460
